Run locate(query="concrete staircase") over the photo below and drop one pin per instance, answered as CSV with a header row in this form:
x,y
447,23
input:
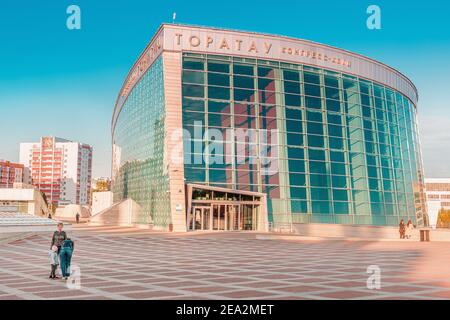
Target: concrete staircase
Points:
x,y
17,222
24,219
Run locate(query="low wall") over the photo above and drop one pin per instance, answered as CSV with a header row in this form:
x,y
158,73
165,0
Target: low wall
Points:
x,y
121,214
361,232
348,231
70,211
440,235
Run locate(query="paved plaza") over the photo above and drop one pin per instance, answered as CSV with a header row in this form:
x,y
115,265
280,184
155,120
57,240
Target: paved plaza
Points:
x,y
122,263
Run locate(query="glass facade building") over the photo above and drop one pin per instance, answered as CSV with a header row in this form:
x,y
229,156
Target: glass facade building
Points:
x,y
139,137
306,134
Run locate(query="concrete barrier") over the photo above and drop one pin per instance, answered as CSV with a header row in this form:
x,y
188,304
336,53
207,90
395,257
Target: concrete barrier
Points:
x,y
347,231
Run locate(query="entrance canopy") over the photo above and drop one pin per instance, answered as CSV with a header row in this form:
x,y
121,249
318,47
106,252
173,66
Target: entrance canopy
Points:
x,y
215,209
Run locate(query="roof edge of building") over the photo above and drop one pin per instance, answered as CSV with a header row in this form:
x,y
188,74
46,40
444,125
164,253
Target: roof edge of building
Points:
x,y
256,33
168,24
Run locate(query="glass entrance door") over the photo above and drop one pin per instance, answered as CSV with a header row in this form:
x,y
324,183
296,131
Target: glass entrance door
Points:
x,y
215,216
222,213
222,209
225,217
200,219
206,219
248,217
219,216
232,216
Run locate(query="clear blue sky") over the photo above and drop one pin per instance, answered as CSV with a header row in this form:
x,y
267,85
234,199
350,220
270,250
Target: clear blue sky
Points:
x,y
54,81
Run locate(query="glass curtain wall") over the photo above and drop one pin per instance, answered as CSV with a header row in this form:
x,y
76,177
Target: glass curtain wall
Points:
x,y
347,149
139,146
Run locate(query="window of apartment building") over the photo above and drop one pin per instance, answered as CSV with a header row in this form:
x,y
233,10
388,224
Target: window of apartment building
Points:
x,y
438,186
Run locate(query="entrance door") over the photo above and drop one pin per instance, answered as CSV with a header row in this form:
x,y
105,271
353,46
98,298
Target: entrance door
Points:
x,y
200,219
206,219
197,219
248,217
191,220
231,217
215,217
226,217
222,213
237,219
220,216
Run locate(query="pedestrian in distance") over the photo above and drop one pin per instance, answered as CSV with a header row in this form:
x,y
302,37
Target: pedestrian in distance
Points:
x,y
409,229
402,229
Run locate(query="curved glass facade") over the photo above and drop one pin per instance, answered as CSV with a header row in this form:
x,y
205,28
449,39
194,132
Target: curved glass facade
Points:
x,y
346,149
213,125
138,143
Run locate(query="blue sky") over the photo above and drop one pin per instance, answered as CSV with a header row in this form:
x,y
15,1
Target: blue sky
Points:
x,y
55,81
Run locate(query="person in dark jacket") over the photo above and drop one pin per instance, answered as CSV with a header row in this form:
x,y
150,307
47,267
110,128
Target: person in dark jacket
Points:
x,y
58,237
77,217
402,229
65,257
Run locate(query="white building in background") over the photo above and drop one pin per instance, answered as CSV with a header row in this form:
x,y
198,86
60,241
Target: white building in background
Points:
x,y
101,201
438,197
60,168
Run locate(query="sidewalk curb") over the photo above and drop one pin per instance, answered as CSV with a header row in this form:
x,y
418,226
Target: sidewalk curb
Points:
x,y
311,238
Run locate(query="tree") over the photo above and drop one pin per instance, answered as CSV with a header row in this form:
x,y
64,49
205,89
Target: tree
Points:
x,y
101,185
443,219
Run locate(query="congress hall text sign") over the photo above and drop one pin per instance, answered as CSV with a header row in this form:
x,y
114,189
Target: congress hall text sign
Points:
x,y
234,43
258,47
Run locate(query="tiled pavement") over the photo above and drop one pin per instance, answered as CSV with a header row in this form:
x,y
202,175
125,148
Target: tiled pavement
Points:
x,y
119,263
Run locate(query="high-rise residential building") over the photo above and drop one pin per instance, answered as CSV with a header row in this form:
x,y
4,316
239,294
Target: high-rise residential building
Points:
x,y
218,129
10,173
60,168
438,197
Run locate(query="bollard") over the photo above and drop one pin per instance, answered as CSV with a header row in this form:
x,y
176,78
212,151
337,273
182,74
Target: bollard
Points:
x,y
424,235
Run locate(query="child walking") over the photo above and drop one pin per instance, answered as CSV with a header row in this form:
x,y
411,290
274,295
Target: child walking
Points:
x,y
54,261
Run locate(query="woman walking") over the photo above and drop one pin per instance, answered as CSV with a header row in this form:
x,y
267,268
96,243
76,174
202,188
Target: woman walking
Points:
x,y
57,240
58,237
409,229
